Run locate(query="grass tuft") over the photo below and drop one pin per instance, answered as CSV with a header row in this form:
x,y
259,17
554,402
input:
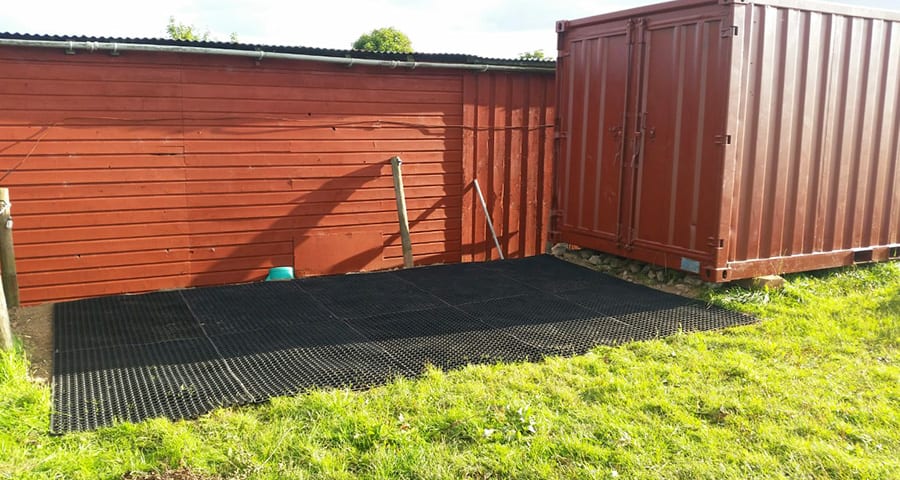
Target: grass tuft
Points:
x,y
812,391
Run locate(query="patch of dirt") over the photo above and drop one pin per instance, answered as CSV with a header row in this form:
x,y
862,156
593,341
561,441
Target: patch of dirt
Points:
x,y
34,326
664,279
180,474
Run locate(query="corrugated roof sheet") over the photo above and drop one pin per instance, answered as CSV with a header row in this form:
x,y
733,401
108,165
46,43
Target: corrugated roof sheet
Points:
x,y
325,52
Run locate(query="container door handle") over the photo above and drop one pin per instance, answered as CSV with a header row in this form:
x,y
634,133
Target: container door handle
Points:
x,y
636,148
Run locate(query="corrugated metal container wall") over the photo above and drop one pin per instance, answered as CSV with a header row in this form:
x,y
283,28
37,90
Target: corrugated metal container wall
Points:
x,y
148,170
731,139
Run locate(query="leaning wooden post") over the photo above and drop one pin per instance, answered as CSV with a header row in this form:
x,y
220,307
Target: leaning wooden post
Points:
x,y
401,212
7,254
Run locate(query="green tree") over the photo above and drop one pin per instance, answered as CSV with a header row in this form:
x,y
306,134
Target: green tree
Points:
x,y
181,31
535,55
387,39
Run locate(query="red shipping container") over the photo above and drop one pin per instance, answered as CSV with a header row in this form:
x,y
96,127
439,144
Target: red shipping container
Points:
x,y
731,138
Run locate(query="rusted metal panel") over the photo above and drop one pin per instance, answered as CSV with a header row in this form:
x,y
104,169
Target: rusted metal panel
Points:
x,y
760,136
507,146
149,171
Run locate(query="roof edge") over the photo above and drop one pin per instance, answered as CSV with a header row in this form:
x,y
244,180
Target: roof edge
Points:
x,y
243,49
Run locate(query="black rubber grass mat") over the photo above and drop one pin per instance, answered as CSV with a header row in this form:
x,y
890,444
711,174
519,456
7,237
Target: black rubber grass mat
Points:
x,y
445,337
178,379
106,322
361,295
253,306
179,354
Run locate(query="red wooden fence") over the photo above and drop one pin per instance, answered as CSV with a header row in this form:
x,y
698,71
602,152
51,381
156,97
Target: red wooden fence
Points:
x,y
155,170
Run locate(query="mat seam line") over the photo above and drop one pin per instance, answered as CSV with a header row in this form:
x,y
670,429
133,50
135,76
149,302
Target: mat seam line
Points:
x,y
569,301
209,339
541,350
368,339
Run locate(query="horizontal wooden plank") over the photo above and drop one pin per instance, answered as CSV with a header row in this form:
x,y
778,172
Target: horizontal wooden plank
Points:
x,y
318,171
292,106
74,103
90,162
162,215
30,67
301,159
261,246
86,233
242,263
50,224
338,130
299,76
72,291
41,87
78,276
354,90
121,131
30,234
200,120
394,251
68,177
109,190
239,146
37,147
26,206
50,248
420,237
309,184
87,118
227,278
424,259
197,241
81,161
101,260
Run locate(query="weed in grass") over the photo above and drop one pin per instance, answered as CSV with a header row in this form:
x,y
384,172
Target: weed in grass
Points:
x,y
812,391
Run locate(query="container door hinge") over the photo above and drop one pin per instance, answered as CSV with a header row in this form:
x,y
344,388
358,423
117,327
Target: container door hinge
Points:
x,y
723,139
731,31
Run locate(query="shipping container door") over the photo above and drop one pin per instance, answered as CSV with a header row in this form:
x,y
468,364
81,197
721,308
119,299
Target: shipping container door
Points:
x,y
676,180
593,81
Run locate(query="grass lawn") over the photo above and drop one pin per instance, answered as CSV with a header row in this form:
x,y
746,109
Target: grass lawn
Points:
x,y
811,392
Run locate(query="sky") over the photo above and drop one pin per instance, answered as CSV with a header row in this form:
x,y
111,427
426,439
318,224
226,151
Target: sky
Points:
x,y
490,28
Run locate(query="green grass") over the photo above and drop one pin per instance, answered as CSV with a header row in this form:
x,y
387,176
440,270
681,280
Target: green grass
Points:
x,y
811,392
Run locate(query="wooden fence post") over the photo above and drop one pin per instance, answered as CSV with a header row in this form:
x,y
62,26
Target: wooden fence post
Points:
x,y
401,213
6,342
7,253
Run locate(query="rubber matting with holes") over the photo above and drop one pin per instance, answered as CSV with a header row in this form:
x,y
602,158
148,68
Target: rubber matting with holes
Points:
x,y
179,354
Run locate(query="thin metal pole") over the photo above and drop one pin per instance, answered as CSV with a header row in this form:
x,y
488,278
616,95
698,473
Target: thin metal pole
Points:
x,y
489,221
401,212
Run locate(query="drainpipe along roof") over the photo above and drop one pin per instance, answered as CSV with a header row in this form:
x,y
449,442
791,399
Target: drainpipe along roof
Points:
x,y
261,52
